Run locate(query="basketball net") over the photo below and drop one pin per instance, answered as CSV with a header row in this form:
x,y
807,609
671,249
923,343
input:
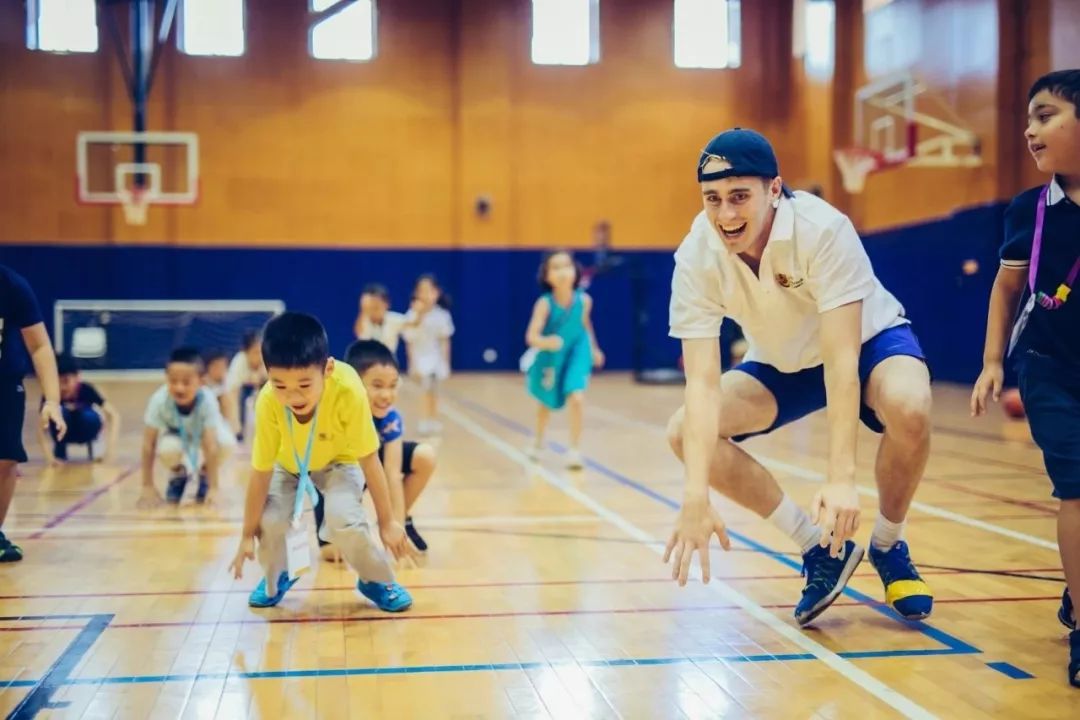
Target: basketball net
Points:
x,y
855,164
136,203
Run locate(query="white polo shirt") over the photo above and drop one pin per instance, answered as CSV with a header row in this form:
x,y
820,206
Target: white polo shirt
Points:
x,y
813,262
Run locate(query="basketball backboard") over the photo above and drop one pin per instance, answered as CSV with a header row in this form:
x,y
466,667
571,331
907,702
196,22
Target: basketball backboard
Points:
x,y
137,169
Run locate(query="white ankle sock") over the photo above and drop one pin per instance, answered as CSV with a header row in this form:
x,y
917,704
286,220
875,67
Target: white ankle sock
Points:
x,y
792,520
886,533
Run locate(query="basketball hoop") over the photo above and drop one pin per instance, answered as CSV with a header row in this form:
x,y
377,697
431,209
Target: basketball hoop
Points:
x,y
136,203
855,164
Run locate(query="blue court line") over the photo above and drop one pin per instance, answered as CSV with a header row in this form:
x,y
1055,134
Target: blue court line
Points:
x,y
40,697
953,644
59,674
1010,670
481,667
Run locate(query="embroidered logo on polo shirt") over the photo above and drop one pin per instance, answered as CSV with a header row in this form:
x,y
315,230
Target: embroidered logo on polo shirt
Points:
x,y
325,437
786,281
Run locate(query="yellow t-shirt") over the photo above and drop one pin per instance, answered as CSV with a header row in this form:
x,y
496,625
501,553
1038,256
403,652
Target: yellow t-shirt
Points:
x,y
345,432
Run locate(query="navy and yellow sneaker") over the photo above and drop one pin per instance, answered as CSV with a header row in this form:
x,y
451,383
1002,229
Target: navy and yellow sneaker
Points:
x,y
174,489
905,591
826,578
9,551
1066,613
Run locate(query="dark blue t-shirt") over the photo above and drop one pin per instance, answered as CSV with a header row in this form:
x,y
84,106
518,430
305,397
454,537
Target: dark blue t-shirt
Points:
x,y
18,310
1049,332
390,427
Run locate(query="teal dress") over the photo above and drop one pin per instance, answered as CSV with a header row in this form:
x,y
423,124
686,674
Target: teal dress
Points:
x,y
554,375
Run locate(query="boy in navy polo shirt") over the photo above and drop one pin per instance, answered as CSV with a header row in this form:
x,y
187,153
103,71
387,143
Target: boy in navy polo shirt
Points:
x,y
1041,258
408,465
20,316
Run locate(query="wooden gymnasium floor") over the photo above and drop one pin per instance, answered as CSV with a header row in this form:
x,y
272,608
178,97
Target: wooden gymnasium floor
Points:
x,y
543,594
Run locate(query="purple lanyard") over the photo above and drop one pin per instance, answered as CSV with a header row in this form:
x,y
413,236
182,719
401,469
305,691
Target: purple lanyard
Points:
x,y
1047,301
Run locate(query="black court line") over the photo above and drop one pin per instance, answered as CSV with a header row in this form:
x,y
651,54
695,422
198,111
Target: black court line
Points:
x,y
40,696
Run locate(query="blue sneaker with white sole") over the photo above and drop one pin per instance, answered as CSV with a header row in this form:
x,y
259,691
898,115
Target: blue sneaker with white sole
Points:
x,y
259,598
390,597
905,590
826,578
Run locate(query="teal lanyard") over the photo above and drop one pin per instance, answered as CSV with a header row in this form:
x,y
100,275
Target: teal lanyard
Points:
x,y
305,485
190,444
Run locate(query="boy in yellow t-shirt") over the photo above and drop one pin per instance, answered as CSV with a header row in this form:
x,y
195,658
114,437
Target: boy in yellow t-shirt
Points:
x,y
308,392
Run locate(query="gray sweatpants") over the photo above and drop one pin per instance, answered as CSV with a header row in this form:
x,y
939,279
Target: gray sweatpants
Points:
x,y
346,524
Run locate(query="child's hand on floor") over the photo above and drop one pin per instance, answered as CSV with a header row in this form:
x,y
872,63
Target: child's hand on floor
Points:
x,y
396,541
149,498
246,551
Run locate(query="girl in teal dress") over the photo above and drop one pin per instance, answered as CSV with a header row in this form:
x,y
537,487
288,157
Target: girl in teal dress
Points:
x,y
562,349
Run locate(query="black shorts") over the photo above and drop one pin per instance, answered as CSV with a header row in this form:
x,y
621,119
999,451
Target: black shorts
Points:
x,y
1050,390
12,414
407,450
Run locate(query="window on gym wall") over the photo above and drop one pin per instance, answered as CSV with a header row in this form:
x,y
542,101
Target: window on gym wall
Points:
x,y
565,32
707,34
347,34
812,36
212,27
62,25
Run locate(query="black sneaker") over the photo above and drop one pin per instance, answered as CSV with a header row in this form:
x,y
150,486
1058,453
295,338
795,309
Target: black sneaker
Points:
x,y
1066,613
1074,658
410,530
203,489
9,551
826,578
175,488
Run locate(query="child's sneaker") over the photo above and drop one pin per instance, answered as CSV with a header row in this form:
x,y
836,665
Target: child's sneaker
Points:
x,y
1066,613
390,597
905,591
574,460
1074,658
174,490
9,551
259,598
204,488
417,541
826,578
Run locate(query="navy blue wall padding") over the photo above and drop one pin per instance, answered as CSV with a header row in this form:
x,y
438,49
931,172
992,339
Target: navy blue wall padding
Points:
x,y
493,290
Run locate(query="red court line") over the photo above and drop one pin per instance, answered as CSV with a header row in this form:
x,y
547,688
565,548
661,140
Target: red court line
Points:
x,y
387,617
497,584
1029,504
88,498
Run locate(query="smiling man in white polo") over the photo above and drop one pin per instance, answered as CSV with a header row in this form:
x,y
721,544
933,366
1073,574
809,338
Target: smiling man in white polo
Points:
x,y
823,333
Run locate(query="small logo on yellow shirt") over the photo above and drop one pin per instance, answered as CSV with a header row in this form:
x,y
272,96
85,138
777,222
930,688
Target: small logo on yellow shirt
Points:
x,y
325,437
786,281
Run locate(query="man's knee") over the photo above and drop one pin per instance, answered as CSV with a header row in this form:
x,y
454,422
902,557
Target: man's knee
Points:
x,y
576,400
905,412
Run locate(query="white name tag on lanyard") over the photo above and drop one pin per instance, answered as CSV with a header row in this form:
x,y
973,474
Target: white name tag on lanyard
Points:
x,y
1021,323
298,549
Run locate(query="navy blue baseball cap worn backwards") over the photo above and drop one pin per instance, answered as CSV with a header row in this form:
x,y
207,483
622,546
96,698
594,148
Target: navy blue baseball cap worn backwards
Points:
x,y
747,154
